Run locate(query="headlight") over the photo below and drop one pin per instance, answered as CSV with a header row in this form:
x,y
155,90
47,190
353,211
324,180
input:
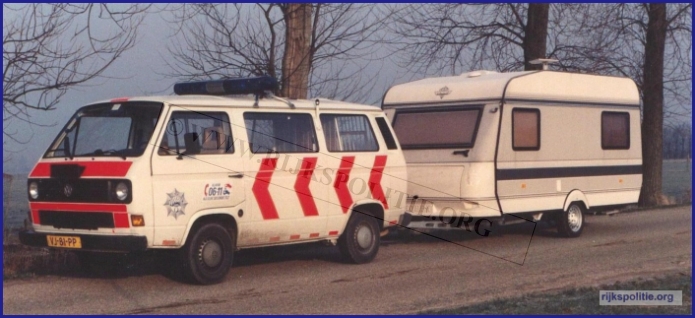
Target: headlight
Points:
x,y
122,191
34,190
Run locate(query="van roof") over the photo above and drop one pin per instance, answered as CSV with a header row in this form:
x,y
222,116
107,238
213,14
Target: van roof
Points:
x,y
242,101
527,85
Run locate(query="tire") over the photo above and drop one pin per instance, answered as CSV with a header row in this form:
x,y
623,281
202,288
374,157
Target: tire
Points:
x,y
208,254
359,243
570,223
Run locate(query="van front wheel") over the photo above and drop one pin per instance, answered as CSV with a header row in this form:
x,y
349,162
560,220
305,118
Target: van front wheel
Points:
x,y
360,242
208,254
570,223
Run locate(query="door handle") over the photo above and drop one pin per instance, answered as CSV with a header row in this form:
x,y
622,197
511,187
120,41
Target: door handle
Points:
x,y
461,152
236,175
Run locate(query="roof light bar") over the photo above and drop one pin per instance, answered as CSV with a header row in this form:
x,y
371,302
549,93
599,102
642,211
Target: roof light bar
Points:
x,y
251,85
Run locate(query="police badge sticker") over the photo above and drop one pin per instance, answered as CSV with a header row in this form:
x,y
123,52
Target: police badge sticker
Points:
x,y
176,204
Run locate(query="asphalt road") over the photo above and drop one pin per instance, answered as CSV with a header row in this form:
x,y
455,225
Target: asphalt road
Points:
x,y
410,274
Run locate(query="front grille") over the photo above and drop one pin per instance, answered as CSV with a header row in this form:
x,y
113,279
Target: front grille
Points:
x,y
76,220
80,190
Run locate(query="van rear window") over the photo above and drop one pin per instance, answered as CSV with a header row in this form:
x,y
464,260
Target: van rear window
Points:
x,y
432,128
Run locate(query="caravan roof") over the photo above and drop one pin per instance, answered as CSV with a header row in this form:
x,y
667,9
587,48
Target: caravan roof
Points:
x,y
528,85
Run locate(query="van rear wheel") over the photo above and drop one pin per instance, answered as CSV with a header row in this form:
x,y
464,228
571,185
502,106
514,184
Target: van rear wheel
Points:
x,y
360,242
570,223
208,254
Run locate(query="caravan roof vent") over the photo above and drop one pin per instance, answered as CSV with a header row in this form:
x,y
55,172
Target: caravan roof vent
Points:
x,y
477,73
545,62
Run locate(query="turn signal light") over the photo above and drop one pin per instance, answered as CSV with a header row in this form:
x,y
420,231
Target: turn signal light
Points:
x,y
137,220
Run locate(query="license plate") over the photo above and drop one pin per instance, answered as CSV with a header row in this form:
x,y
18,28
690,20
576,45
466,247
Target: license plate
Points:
x,y
64,241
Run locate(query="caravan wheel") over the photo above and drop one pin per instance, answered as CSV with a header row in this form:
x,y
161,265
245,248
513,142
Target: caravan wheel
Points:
x,y
570,223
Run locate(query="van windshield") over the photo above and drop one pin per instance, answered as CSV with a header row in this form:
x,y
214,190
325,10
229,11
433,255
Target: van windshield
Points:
x,y
437,128
119,130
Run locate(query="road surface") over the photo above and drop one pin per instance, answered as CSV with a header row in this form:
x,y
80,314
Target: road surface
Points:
x,y
410,274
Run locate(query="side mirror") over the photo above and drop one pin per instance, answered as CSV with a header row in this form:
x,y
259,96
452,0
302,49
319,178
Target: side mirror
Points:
x,y
191,143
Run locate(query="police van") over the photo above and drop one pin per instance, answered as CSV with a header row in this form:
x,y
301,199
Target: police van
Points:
x,y
517,146
221,166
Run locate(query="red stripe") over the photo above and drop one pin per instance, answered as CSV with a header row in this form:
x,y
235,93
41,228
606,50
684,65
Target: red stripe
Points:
x,y
260,188
91,168
340,185
35,217
314,235
119,100
78,207
375,180
275,239
294,237
121,220
333,233
301,187
120,214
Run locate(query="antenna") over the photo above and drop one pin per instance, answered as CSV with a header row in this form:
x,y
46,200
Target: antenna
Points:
x,y
286,101
545,62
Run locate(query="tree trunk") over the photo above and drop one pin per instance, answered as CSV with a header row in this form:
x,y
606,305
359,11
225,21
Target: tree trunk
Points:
x,y
296,62
536,34
653,103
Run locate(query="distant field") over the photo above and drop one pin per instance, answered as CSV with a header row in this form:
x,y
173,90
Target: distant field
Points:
x,y
677,176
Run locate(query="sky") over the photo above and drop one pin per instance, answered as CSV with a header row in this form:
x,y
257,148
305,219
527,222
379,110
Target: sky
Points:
x,y
137,73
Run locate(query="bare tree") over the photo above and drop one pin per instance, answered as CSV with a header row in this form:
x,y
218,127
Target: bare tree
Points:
x,y
225,40
650,43
449,38
653,104
48,49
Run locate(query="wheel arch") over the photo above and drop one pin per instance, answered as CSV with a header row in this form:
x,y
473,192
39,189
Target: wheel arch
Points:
x,y
225,219
576,196
370,207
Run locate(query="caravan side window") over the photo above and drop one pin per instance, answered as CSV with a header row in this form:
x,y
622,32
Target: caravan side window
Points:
x,y
615,130
526,129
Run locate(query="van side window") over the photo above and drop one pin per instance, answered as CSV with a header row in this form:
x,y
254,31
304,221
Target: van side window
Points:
x,y
280,132
348,133
615,130
386,133
526,129
208,133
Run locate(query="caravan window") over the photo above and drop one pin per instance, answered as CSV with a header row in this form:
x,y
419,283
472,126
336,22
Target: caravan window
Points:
x,y
437,128
615,130
526,129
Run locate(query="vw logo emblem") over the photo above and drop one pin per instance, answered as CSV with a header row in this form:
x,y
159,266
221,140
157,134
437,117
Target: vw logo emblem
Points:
x,y
67,190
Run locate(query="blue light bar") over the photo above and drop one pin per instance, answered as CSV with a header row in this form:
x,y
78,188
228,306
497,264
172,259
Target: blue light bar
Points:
x,y
251,85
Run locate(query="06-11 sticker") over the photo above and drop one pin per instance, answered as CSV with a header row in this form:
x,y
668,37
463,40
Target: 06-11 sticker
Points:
x,y
217,191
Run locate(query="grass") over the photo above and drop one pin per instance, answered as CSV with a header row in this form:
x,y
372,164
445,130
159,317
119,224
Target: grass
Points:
x,y
583,300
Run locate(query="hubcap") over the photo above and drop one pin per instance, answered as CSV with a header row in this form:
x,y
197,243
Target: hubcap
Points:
x,y
211,253
574,218
365,237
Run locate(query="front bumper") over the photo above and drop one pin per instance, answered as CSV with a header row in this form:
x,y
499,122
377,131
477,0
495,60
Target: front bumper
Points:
x,y
110,243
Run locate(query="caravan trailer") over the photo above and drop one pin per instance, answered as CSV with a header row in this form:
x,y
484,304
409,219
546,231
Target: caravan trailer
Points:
x,y
532,144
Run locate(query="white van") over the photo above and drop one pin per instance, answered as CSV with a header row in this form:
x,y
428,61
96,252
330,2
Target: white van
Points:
x,y
212,174
489,145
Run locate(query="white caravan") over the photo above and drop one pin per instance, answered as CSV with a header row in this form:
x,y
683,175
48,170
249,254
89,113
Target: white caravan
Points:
x,y
207,175
487,144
